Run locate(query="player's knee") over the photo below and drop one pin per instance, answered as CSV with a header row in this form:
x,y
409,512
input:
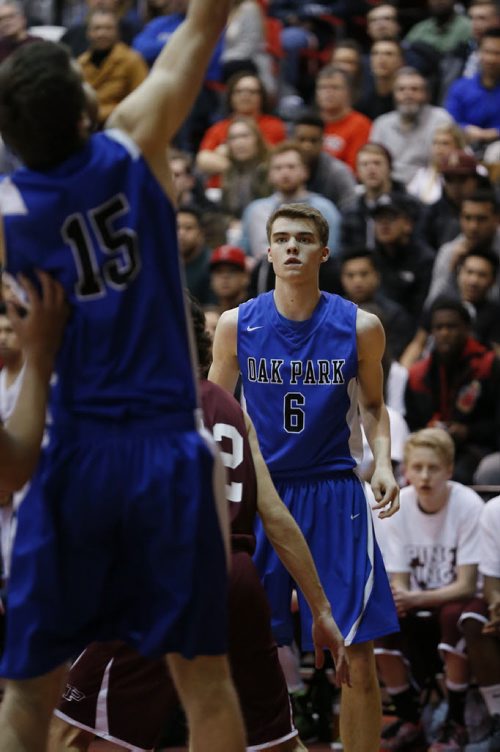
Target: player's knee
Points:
x,y
362,667
204,684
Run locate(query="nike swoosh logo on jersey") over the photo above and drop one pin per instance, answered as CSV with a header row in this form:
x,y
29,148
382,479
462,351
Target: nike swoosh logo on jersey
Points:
x,y
253,328
353,516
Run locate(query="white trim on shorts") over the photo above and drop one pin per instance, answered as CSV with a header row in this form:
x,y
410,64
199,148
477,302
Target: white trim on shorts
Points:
x,y
107,738
275,742
370,551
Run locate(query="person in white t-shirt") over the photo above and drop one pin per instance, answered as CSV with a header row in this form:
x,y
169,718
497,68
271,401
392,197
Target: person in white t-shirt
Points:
x,y
483,640
431,552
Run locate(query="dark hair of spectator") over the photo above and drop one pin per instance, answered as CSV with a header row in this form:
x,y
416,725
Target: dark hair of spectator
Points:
x,y
202,338
308,117
493,33
41,104
358,253
450,304
483,197
3,308
485,254
234,81
195,211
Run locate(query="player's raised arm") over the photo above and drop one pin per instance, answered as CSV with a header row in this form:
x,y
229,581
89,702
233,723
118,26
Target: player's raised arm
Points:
x,y
153,113
286,538
225,370
39,333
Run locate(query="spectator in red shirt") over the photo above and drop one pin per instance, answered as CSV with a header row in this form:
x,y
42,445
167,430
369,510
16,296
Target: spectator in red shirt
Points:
x,y
246,96
346,130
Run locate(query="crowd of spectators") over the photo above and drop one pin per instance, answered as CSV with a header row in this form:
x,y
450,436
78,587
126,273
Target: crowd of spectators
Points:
x,y
383,115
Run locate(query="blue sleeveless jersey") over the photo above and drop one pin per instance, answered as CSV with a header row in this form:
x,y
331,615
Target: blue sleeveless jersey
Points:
x,y
102,225
299,381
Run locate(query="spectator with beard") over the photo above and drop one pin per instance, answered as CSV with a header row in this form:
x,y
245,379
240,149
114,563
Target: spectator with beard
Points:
x,y
407,131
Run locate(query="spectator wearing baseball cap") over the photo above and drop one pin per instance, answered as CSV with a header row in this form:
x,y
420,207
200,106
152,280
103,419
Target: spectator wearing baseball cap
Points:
x,y
228,276
404,262
462,176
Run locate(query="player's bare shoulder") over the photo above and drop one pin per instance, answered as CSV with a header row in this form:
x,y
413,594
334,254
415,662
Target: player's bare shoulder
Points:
x,y
370,334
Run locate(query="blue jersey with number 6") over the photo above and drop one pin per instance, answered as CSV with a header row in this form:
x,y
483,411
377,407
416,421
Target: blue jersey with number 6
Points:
x,y
102,225
299,381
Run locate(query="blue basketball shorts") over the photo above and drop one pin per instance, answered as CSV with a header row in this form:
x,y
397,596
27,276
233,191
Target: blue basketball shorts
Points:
x,y
122,535
336,521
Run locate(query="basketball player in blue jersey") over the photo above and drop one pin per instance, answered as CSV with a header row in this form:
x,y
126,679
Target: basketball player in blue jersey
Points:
x,y
308,360
118,695
121,534
39,333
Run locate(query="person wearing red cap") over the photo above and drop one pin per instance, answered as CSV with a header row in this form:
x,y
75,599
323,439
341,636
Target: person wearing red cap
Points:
x,y
228,276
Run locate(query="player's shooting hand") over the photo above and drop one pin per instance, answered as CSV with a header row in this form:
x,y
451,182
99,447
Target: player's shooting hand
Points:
x,y
326,635
386,491
39,320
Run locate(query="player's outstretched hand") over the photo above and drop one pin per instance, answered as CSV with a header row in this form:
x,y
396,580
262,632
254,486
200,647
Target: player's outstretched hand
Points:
x,y
39,320
386,491
326,635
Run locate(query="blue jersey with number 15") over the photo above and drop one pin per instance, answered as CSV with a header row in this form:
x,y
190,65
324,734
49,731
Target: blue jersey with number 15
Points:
x,y
300,385
102,225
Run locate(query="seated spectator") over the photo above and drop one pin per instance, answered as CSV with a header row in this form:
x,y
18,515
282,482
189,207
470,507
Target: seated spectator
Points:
x,y
386,58
109,66
483,643
382,22
327,175
483,15
404,261
456,387
427,183
462,177
151,40
245,96
373,167
13,29
228,277
195,253
476,276
245,179
287,175
444,30
188,186
245,44
474,103
348,56
361,283
407,131
479,230
346,130
76,36
431,553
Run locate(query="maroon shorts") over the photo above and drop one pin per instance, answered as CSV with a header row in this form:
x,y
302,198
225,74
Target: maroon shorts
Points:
x,y
424,634
125,698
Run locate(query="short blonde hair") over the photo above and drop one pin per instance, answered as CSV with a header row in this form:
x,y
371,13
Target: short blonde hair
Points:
x,y
431,438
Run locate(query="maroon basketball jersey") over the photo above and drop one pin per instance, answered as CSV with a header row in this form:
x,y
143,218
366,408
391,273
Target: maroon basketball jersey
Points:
x,y
224,418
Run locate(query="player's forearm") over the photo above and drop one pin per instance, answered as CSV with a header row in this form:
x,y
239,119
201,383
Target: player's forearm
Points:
x,y
453,592
378,433
290,545
20,443
492,590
